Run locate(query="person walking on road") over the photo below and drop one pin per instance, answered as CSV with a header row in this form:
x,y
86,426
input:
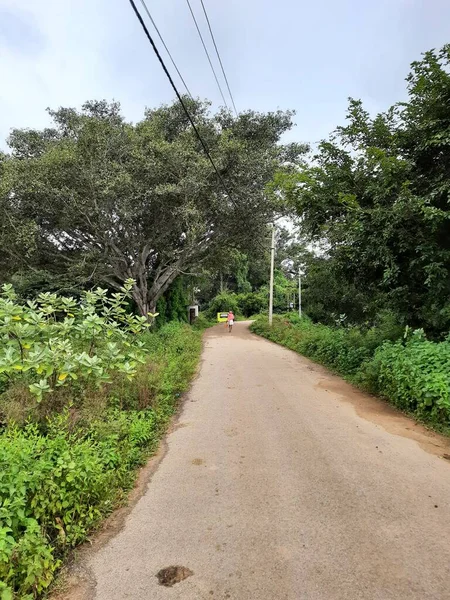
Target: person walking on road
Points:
x,y
230,320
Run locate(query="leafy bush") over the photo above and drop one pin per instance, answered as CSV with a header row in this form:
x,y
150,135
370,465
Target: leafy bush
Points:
x,y
52,341
342,349
247,304
203,321
61,477
223,302
414,374
252,303
56,487
172,306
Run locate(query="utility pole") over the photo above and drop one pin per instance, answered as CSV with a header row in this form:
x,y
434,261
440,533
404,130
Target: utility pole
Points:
x,y
300,292
272,262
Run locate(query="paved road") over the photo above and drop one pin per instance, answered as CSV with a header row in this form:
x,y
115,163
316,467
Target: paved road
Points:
x,y
274,488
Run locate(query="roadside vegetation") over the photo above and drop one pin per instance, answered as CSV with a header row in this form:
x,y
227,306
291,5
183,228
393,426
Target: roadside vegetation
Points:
x,y
373,202
89,379
402,366
87,390
374,247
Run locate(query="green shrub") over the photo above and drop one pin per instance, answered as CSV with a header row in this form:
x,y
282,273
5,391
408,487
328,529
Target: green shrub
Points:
x,y
252,303
62,476
341,349
414,375
50,342
203,321
246,304
223,302
56,487
173,305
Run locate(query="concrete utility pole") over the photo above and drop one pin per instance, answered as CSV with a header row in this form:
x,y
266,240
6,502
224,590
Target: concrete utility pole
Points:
x,y
272,262
300,292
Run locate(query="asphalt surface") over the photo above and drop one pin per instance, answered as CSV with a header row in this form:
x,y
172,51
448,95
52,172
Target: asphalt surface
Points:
x,y
274,488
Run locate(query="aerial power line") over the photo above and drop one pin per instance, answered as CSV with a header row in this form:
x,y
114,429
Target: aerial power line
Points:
x,y
218,56
166,48
180,98
207,53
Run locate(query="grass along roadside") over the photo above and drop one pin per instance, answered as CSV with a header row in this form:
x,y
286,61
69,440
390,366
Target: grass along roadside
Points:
x,y
66,467
409,371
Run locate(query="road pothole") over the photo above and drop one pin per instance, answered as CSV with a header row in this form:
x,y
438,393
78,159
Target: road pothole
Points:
x,y
172,575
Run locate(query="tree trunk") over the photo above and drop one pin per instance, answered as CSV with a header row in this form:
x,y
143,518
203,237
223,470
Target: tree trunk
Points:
x,y
141,299
140,289
160,284
144,297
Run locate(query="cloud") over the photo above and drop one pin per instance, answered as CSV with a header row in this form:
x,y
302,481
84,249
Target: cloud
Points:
x,y
57,53
289,54
18,34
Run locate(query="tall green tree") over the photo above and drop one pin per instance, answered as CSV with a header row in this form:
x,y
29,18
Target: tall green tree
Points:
x,y
376,195
98,195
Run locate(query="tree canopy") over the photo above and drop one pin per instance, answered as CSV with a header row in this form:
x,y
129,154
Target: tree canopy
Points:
x,y
100,198
376,196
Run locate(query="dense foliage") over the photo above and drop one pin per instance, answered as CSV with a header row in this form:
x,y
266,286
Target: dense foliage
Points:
x,y
172,306
98,199
415,376
376,198
55,340
248,304
410,371
70,444
230,270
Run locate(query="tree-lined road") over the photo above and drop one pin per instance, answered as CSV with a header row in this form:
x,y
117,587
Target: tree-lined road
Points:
x,y
273,488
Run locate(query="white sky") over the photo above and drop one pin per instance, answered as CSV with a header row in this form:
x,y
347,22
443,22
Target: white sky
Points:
x,y
309,56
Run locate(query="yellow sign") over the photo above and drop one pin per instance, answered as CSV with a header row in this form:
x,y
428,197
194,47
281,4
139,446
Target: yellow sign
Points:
x,y
222,317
